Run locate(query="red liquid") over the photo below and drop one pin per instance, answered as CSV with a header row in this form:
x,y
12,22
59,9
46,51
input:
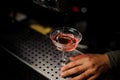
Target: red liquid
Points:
x,y
65,42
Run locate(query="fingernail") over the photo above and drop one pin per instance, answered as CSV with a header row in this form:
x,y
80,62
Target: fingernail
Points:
x,y
62,75
62,69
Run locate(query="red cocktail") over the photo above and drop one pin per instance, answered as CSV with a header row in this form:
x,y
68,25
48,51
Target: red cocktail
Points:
x,y
65,39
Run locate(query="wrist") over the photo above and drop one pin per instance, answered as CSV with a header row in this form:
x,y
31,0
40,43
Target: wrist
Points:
x,y
107,60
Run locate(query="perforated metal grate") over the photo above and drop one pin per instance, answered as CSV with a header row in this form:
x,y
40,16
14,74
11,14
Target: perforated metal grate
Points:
x,y
37,51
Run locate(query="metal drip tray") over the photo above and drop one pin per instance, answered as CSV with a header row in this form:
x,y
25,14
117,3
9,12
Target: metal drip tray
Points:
x,y
37,51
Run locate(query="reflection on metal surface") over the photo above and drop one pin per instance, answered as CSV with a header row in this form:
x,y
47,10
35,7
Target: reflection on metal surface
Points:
x,y
50,4
42,29
36,51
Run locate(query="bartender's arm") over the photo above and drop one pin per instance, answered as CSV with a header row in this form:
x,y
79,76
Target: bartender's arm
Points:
x,y
91,66
114,57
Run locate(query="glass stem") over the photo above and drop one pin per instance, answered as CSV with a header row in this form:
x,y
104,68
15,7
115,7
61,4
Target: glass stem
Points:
x,y
63,61
63,56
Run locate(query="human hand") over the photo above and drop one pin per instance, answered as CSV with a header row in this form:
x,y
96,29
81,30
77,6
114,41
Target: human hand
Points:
x,y
87,66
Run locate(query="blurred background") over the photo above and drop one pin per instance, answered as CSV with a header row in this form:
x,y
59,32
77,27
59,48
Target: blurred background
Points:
x,y
98,21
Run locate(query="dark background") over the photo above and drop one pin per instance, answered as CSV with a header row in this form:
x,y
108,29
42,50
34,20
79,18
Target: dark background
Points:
x,y
100,35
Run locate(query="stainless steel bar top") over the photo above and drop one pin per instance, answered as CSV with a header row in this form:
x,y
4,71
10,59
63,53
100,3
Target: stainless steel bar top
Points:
x,y
37,51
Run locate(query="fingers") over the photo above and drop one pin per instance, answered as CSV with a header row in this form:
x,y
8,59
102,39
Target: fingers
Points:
x,y
87,75
72,71
94,77
87,67
71,65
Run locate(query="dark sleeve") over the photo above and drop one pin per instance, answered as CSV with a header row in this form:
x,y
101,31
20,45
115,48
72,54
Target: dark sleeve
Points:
x,y
114,57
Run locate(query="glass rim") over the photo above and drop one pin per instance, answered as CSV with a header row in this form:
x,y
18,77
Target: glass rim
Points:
x,y
60,28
